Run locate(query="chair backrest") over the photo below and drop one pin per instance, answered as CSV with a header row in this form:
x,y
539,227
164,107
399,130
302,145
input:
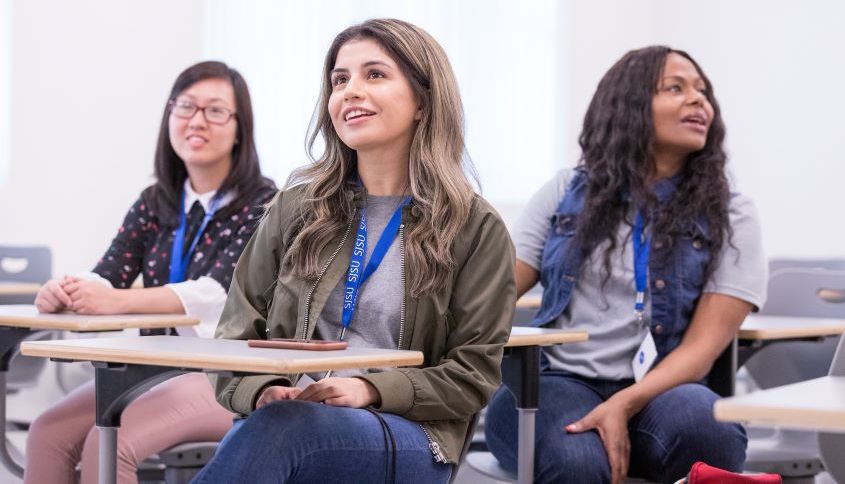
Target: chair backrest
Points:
x,y
837,367
832,446
828,264
801,292
798,292
25,264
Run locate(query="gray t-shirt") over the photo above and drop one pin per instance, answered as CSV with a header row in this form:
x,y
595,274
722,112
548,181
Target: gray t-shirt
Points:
x,y
375,323
607,313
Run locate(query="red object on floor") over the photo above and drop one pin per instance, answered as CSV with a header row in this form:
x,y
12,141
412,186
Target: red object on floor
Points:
x,y
702,473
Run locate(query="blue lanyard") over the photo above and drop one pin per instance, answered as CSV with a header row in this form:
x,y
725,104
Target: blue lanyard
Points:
x,y
642,248
178,260
355,276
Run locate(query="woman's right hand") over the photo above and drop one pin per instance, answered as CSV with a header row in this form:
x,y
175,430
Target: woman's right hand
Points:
x,y
52,298
610,420
276,393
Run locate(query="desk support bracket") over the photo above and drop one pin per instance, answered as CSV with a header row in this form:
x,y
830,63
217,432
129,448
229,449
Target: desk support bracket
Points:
x,y
117,386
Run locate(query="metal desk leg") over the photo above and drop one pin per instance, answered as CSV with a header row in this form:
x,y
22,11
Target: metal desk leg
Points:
x,y
107,455
5,457
521,374
117,386
525,471
10,338
722,377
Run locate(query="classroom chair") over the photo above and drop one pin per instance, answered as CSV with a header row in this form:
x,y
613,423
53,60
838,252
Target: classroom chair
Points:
x,y
31,265
832,446
794,291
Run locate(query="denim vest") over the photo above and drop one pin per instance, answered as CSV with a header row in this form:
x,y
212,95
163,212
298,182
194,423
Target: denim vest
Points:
x,y
676,273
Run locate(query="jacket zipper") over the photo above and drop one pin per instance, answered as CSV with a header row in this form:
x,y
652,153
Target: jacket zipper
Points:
x,y
404,288
322,273
434,446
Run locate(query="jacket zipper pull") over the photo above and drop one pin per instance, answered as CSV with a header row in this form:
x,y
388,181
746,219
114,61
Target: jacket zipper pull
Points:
x,y
435,450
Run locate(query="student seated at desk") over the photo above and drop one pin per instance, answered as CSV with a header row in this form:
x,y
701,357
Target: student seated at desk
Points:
x,y
389,184
183,236
643,246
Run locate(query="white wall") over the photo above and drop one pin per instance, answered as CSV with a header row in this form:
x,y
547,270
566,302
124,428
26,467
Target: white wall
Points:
x,y
89,82
5,85
89,79
777,69
280,47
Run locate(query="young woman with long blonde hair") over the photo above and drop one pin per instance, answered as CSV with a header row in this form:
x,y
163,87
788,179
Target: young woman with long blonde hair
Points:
x,y
381,242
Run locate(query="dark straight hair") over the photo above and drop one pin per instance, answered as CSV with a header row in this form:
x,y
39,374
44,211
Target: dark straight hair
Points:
x,y
245,173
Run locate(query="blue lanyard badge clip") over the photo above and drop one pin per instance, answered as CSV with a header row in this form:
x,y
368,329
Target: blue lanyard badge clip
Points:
x,y
355,276
642,248
179,259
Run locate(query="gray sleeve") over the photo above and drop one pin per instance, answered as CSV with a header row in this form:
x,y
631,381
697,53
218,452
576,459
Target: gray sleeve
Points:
x,y
743,271
530,231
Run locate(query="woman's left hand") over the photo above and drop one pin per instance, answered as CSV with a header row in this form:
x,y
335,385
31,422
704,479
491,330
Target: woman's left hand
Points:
x,y
610,419
341,392
90,297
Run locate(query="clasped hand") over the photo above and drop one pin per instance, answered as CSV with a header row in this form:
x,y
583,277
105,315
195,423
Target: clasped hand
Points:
x,y
338,392
77,295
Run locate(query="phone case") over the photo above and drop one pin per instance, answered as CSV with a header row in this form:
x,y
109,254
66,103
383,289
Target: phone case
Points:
x,y
298,344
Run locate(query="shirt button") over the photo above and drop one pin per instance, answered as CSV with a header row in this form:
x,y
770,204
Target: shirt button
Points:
x,y
658,244
658,329
660,284
696,244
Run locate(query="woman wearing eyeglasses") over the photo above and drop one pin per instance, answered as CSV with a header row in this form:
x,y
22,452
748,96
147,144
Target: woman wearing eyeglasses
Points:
x,y
183,236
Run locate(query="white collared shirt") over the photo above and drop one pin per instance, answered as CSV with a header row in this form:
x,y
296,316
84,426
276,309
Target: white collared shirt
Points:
x,y
204,198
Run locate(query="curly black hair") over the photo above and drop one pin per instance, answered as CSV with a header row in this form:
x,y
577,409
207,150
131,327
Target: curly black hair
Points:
x,y
618,148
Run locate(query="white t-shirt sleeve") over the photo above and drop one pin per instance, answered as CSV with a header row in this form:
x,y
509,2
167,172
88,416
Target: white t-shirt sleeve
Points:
x,y
203,298
532,228
743,271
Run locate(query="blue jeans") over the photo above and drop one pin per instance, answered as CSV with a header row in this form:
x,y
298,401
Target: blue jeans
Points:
x,y
672,432
304,442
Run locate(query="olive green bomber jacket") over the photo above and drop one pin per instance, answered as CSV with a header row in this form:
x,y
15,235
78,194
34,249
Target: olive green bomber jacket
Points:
x,y
461,329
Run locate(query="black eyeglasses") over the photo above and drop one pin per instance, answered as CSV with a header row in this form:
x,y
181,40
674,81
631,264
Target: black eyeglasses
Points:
x,y
212,114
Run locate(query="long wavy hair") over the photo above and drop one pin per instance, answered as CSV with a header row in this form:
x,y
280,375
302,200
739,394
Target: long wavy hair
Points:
x,y
442,194
245,173
618,154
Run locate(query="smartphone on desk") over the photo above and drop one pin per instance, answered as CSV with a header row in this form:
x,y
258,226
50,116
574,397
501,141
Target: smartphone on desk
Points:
x,y
298,344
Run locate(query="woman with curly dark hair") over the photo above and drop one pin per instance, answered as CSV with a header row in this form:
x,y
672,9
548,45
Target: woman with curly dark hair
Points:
x,y
647,222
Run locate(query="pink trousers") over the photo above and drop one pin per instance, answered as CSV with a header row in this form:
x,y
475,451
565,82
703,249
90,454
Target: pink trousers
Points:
x,y
182,409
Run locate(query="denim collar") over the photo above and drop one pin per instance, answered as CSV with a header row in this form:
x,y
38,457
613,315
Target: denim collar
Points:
x,y
665,187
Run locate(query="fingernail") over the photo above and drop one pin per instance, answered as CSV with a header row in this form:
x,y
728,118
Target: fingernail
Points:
x,y
571,427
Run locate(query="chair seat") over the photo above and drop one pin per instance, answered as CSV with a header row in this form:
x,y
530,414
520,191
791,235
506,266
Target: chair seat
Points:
x,y
176,465
191,454
797,455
